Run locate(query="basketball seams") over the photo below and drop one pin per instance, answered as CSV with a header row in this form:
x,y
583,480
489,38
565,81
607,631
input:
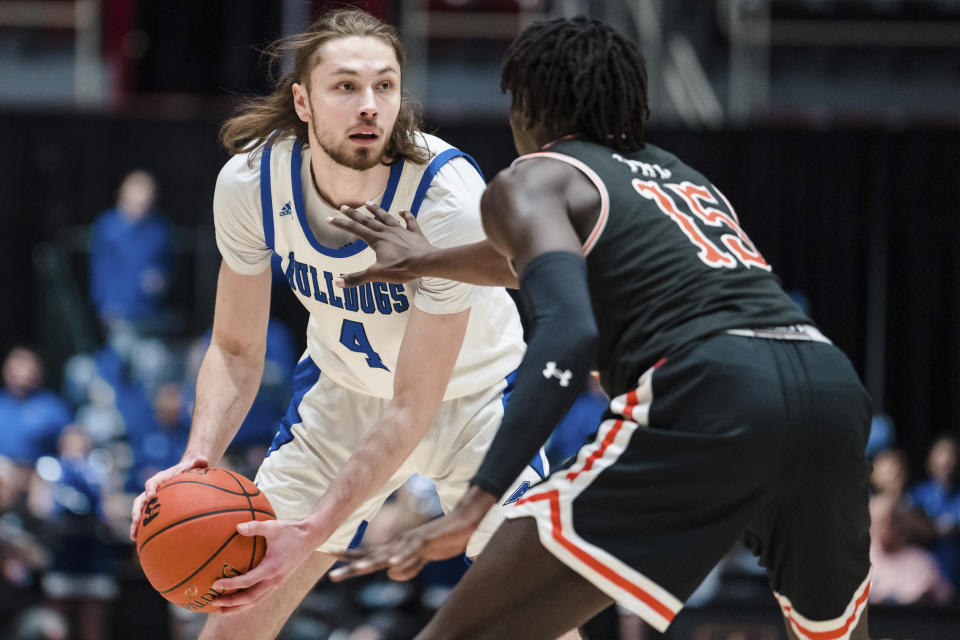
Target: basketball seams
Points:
x,y
201,567
253,516
242,491
195,517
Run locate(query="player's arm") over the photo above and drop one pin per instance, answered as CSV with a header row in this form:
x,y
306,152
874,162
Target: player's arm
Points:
x,y
229,375
527,215
403,253
232,367
478,263
431,344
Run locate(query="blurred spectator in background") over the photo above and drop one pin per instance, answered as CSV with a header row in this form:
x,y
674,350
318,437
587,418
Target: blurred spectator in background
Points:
x,y
891,473
130,256
31,417
70,495
901,572
159,442
890,477
22,559
939,498
273,397
882,433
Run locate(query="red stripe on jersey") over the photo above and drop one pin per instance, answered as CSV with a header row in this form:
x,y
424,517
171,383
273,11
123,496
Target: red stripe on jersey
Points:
x,y
607,441
635,590
836,633
632,402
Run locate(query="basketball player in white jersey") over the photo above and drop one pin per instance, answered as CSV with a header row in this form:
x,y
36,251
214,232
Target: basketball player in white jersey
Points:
x,y
396,379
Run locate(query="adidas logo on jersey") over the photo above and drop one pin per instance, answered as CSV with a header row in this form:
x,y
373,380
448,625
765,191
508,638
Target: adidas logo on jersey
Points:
x,y
286,209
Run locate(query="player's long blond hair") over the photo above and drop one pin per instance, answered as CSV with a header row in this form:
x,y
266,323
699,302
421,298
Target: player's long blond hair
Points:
x,y
265,118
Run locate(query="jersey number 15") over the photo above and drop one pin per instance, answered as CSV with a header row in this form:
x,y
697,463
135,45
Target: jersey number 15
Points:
x,y
702,205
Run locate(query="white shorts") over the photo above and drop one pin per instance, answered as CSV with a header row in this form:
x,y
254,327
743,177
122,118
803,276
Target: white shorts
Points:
x,y
326,423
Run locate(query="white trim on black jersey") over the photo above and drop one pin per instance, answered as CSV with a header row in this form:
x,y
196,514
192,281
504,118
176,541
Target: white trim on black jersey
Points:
x,y
601,222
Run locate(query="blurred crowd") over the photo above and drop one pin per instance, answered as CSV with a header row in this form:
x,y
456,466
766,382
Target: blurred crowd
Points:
x,y
73,458
915,526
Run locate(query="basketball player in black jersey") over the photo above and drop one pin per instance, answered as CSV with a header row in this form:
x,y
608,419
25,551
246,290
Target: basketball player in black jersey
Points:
x,y
732,415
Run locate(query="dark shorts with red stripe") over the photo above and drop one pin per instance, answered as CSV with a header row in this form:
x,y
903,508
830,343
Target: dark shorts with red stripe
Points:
x,y
732,437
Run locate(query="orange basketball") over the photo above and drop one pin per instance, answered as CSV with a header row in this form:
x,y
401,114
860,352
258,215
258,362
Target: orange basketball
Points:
x,y
187,537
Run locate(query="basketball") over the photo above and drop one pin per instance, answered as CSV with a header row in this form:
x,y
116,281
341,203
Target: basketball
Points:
x,y
187,537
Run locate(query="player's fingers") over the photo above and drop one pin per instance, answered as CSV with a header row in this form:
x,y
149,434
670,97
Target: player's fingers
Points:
x,y
358,568
370,222
360,563
154,481
135,515
255,528
353,227
243,581
411,221
242,600
406,547
150,486
408,569
354,279
381,214
349,555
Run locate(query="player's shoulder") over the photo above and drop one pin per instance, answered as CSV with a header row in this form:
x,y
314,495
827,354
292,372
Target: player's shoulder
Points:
x,y
454,176
245,167
536,180
241,171
433,145
538,171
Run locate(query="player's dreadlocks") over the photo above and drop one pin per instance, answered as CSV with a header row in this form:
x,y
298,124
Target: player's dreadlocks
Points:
x,y
576,75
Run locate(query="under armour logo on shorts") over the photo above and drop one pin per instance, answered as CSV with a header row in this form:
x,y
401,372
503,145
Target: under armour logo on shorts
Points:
x,y
564,376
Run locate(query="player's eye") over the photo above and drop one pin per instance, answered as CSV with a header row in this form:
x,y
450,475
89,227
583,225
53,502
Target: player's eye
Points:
x,y
385,85
345,86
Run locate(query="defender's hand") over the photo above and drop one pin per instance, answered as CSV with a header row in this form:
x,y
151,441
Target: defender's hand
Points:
x,y
404,556
397,247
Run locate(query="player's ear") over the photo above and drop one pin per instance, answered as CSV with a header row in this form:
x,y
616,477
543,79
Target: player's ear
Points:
x,y
301,101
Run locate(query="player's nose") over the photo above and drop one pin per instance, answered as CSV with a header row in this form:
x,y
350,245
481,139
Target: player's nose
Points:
x,y
368,103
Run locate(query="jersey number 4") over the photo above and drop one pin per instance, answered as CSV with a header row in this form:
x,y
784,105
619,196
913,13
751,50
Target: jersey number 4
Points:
x,y
703,207
353,337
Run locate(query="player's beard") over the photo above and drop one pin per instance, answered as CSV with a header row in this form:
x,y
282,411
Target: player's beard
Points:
x,y
356,158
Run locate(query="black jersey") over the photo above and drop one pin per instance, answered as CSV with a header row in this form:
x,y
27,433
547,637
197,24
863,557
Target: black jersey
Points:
x,y
667,262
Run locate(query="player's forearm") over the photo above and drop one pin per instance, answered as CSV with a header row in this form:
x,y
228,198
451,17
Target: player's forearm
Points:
x,y
554,369
380,454
226,387
478,263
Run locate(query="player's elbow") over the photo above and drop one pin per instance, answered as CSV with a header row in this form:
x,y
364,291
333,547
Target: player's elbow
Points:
x,y
583,340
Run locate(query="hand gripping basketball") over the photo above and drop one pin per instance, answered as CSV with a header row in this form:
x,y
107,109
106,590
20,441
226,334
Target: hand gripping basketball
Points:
x,y
187,534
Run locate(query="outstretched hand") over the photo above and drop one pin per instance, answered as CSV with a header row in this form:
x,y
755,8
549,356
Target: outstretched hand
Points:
x,y
397,246
404,556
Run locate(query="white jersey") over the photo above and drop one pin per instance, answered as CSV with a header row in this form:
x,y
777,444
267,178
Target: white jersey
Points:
x,y
269,205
